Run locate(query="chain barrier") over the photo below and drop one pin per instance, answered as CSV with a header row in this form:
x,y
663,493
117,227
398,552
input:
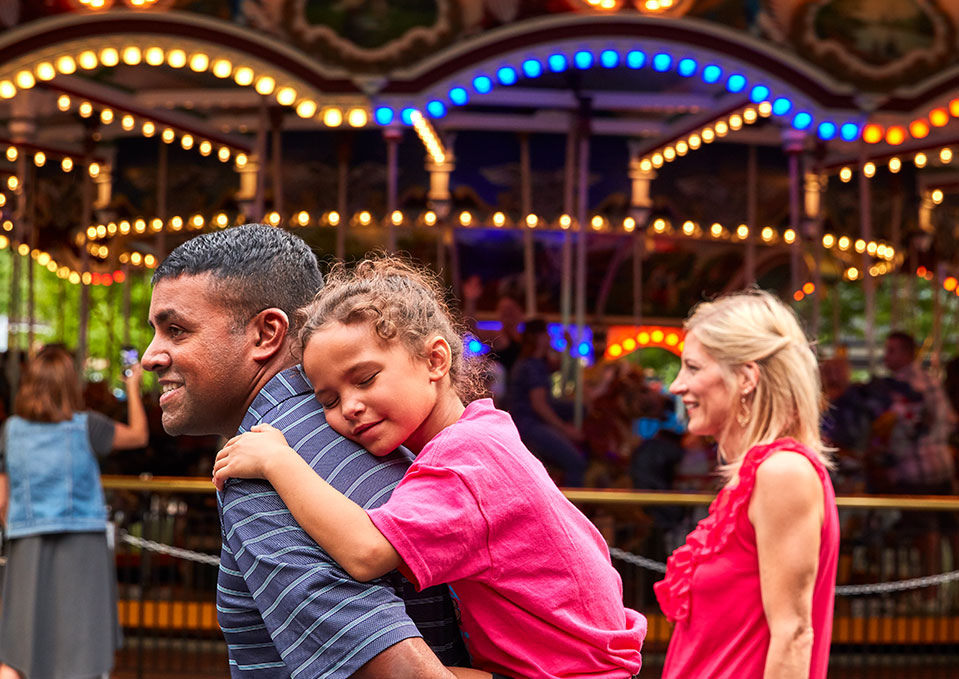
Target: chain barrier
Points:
x,y
615,552
841,590
637,560
161,548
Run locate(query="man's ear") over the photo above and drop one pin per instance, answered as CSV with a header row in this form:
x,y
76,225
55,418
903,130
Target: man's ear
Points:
x,y
440,358
270,328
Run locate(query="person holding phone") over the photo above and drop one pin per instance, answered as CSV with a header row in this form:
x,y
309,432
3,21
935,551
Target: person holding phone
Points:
x,y
53,511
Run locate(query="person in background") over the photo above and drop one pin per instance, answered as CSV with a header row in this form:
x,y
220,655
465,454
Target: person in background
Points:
x,y
920,460
921,464
543,422
751,592
846,424
59,614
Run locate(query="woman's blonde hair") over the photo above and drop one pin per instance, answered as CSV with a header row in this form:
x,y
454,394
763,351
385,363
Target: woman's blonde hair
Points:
x,y
756,326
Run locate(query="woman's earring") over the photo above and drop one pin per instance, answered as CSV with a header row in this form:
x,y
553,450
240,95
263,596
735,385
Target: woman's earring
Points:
x,y
744,414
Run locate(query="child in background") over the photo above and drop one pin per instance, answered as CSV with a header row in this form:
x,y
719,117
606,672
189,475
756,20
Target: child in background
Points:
x,y
537,595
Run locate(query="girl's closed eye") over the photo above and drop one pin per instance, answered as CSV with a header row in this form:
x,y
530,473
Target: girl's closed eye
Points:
x,y
368,381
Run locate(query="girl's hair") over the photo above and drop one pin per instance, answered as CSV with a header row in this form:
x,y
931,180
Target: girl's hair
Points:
x,y
49,388
399,300
756,326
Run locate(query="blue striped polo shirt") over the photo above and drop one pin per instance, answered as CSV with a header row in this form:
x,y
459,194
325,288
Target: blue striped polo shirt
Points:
x,y
286,608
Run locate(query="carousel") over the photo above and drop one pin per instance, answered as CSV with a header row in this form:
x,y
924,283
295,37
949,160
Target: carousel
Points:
x,y
606,163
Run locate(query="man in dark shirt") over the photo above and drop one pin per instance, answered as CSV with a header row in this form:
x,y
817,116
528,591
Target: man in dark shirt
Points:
x,y
223,312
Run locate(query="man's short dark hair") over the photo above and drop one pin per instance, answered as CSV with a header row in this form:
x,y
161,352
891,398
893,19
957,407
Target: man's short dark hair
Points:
x,y
254,267
905,340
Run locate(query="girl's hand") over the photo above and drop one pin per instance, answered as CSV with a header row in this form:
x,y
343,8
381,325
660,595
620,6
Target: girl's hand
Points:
x,y
247,456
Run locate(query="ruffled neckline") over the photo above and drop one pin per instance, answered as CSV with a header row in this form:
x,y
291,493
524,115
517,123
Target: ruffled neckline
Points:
x,y
713,532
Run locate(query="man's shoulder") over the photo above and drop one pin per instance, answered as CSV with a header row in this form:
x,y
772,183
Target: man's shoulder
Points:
x,y
287,403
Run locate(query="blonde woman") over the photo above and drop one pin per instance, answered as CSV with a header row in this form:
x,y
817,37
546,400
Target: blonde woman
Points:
x,y
751,592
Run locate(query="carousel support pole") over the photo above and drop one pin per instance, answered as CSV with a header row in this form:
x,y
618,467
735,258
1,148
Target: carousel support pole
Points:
x,y
257,161
392,135
752,193
868,281
812,234
640,207
793,145
921,242
837,318
246,194
28,190
127,284
22,129
163,178
937,311
566,282
896,235
86,215
344,151
526,208
581,251
440,200
276,150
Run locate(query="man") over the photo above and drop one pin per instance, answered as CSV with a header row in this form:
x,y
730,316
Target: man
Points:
x,y
223,311
923,462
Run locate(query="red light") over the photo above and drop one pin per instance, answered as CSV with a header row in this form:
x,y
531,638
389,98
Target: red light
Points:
x,y
919,129
809,288
872,133
119,276
798,295
939,117
895,135
106,279
95,279
921,271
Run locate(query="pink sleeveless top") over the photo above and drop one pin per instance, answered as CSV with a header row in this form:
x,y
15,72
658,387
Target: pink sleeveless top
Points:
x,y
711,590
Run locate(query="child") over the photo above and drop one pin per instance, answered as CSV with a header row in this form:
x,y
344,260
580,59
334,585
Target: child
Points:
x,y
537,595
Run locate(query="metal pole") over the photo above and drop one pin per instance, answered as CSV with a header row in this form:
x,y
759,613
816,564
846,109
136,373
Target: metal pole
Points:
x,y
259,200
86,215
343,174
895,219
526,208
127,284
276,124
163,174
392,136
28,191
793,150
566,281
869,283
749,277
582,208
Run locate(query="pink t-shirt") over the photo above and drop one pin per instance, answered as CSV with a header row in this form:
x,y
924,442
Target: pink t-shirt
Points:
x,y
712,591
531,576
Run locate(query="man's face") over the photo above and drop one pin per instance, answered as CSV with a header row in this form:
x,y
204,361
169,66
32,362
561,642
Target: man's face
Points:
x,y
201,361
897,355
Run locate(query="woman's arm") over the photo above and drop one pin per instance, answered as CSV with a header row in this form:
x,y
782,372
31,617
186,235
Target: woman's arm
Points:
x,y
136,432
786,509
336,523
